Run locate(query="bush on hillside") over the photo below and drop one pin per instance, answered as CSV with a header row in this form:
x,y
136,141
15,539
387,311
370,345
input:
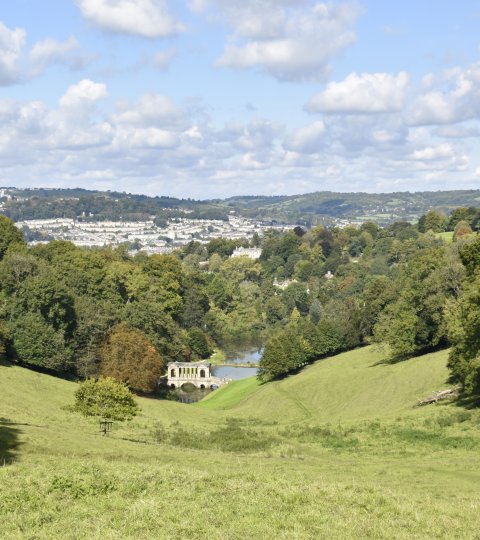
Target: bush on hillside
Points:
x,y
105,398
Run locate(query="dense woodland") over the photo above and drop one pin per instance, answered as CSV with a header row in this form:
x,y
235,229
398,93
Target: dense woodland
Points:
x,y
87,312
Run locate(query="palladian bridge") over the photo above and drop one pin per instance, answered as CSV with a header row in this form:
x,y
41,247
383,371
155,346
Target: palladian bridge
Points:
x,y
197,373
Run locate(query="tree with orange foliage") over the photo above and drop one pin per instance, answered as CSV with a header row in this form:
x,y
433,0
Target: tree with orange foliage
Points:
x,y
129,357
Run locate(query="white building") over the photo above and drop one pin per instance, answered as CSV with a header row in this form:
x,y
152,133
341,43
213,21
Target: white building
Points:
x,y
253,253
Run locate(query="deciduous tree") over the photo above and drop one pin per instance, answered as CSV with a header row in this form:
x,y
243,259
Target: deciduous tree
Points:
x,y
129,357
9,235
106,398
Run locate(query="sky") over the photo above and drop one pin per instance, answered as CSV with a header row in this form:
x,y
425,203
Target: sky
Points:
x,y
216,98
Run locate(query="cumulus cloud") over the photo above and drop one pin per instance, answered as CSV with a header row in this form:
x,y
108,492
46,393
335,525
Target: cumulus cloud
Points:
x,y
50,51
308,139
152,110
362,94
441,151
258,135
456,99
131,137
145,18
369,133
286,39
84,93
11,46
18,65
441,157
156,145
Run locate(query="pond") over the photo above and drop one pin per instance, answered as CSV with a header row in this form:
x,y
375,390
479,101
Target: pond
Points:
x,y
235,373
251,355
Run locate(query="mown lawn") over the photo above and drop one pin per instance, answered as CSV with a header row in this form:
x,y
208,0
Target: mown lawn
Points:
x,y
337,451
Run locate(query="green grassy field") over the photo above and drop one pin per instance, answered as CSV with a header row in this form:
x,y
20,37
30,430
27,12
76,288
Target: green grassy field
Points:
x,y
336,451
447,237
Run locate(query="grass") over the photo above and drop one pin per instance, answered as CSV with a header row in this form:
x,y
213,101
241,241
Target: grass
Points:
x,y
447,237
354,385
227,397
337,451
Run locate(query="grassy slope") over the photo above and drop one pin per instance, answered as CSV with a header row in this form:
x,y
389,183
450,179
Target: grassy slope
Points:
x,y
414,473
351,386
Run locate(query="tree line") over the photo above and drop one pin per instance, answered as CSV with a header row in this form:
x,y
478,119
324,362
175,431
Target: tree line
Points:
x,y
92,312
402,285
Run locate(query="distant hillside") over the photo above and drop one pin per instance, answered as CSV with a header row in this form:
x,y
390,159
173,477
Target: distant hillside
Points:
x,y
312,208
21,204
307,209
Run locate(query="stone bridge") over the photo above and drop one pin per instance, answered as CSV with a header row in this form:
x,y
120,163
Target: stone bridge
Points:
x,y
197,373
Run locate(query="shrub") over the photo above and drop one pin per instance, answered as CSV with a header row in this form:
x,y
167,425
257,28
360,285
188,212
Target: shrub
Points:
x,y
105,398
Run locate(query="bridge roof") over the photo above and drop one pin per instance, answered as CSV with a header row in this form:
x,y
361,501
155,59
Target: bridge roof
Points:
x,y
189,364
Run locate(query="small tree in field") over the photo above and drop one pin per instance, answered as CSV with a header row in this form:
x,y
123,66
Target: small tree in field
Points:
x,y
105,398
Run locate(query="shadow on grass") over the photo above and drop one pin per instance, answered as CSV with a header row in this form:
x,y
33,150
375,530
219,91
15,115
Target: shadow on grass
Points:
x,y
9,443
468,402
392,360
4,362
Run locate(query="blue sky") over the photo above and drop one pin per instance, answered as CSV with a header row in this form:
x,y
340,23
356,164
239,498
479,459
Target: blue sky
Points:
x,y
213,98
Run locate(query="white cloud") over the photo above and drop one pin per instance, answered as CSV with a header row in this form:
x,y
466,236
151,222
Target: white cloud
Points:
x,y
83,94
441,151
441,157
431,108
65,135
152,110
288,40
17,65
145,138
308,139
250,18
50,51
145,18
457,99
362,94
368,133
154,145
256,136
255,162
11,46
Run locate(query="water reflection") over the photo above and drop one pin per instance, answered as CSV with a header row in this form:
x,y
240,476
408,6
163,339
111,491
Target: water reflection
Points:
x,y
247,356
235,373
191,394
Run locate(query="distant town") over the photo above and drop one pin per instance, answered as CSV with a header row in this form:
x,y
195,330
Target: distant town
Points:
x,y
161,224
144,235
